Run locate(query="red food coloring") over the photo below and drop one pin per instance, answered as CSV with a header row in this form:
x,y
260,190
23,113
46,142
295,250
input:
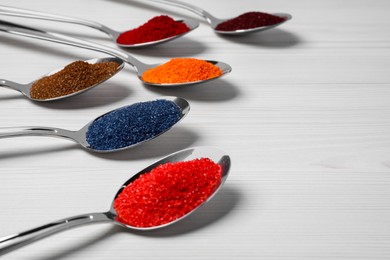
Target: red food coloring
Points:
x,y
167,193
249,20
157,28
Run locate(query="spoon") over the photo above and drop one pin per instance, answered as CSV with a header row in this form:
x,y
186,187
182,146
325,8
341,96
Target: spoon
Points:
x,y
15,241
214,22
113,34
139,66
80,136
25,88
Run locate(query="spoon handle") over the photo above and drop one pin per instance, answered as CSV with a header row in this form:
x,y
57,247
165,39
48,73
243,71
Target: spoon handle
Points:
x,y
15,86
12,242
22,30
209,18
6,132
18,12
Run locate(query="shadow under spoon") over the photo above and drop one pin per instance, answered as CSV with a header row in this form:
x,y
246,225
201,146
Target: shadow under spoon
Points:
x,y
12,242
113,34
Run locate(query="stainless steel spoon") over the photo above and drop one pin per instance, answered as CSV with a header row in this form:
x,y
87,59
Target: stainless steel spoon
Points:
x,y
113,34
25,88
80,136
213,21
15,241
139,66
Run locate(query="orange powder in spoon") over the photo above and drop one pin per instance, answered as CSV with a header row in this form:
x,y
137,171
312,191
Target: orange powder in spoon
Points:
x,y
182,70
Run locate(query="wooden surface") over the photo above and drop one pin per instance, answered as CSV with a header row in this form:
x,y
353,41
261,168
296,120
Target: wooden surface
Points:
x,y
305,116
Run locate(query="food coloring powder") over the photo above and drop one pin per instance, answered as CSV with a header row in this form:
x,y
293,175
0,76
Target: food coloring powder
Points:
x,y
157,28
249,20
132,124
168,192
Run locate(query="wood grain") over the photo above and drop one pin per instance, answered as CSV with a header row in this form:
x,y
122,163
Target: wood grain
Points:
x,y
305,116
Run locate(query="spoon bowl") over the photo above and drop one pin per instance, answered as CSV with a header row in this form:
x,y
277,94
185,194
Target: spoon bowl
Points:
x,y
25,89
215,154
12,242
191,24
113,34
140,67
285,16
81,136
224,67
214,21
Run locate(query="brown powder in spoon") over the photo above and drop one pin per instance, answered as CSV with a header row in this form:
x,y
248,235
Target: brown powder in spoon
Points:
x,y
73,78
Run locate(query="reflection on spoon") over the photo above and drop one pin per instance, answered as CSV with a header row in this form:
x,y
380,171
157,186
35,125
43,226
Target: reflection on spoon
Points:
x,y
216,155
55,86
139,66
118,129
217,24
114,35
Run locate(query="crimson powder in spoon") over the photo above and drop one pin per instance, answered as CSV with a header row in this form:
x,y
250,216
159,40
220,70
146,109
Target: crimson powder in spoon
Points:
x,y
249,20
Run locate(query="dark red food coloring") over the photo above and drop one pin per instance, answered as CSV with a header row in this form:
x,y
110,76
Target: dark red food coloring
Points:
x,y
249,20
167,193
157,28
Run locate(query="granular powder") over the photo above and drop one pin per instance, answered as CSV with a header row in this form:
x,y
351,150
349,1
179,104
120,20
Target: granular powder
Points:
x,y
249,20
167,193
74,77
182,70
132,124
157,28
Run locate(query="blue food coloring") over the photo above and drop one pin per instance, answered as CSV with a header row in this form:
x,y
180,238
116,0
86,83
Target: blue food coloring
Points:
x,y
132,124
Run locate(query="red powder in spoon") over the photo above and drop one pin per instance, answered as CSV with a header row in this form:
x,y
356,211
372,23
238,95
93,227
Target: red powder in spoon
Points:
x,y
157,28
249,20
167,193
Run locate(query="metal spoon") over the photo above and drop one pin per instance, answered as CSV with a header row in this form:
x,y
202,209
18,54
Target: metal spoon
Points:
x,y
80,136
113,34
139,66
15,241
25,88
213,21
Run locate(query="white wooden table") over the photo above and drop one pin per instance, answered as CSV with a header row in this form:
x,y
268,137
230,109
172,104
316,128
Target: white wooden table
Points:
x,y
305,116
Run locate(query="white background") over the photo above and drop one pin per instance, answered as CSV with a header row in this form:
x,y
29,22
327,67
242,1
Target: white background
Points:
x,y
304,115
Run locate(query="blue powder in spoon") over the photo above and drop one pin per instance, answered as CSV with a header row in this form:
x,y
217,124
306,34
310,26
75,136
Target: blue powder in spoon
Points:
x,y
132,124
